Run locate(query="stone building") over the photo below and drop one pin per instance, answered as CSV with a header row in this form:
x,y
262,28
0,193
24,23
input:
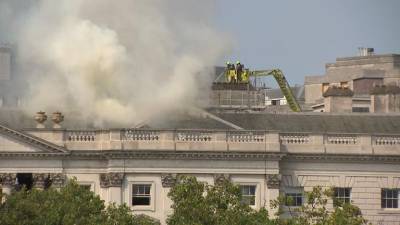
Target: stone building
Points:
x,y
360,74
266,154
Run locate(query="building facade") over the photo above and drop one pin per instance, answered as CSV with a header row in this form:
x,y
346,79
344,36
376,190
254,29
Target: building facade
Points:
x,y
266,158
359,74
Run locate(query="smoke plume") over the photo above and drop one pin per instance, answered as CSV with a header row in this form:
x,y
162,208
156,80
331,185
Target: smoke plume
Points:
x,y
120,62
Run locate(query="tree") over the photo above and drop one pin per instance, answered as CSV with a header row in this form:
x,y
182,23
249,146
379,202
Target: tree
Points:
x,y
315,211
71,205
197,203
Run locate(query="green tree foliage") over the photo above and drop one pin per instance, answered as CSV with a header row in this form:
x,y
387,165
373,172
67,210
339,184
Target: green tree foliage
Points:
x,y
71,205
316,210
197,203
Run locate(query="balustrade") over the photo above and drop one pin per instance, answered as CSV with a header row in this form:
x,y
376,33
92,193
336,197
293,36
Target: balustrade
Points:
x,y
387,140
294,138
140,135
341,139
193,136
246,136
81,136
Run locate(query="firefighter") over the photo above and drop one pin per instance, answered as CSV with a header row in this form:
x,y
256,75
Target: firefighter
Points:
x,y
230,72
239,71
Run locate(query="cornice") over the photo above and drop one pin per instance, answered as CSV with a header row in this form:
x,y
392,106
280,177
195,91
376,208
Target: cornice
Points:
x,y
343,157
198,155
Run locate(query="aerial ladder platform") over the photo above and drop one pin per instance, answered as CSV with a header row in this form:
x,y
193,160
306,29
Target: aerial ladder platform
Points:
x,y
231,76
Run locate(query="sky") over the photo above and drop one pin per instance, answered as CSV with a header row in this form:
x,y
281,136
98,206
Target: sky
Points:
x,y
300,36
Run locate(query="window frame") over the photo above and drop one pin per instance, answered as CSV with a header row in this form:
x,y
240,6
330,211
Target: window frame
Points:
x,y
393,199
88,183
151,206
248,195
295,198
342,198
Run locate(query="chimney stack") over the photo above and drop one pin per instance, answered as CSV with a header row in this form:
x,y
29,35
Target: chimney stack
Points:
x,y
365,51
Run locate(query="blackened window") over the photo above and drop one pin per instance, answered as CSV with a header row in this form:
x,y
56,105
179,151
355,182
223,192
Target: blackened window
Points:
x,y
141,194
390,198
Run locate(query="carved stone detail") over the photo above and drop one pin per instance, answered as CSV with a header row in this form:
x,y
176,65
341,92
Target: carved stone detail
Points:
x,y
168,180
58,179
111,180
40,180
221,177
273,181
8,179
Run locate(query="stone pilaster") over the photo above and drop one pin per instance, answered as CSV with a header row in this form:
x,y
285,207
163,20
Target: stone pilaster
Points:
x,y
113,183
220,178
7,181
273,184
40,180
168,180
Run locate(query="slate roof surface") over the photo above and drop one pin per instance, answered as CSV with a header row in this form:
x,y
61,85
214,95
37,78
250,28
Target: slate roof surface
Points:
x,y
288,122
316,122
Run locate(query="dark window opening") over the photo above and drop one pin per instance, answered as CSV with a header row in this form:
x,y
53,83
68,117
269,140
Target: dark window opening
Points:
x,y
390,198
24,180
141,194
342,195
294,199
361,109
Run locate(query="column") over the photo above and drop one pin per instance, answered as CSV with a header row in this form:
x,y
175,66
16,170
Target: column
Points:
x,y
113,182
273,184
7,182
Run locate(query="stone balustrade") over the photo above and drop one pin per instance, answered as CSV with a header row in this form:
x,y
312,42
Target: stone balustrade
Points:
x,y
246,136
341,139
81,136
221,140
294,138
387,140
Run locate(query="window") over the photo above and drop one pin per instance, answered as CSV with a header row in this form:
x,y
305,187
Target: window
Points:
x,y
141,194
342,195
361,109
390,198
248,194
294,199
86,186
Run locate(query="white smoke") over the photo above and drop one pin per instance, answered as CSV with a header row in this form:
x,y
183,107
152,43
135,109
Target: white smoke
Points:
x,y
120,62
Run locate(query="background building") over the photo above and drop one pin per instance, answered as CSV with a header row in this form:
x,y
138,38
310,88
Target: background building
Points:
x,y
360,74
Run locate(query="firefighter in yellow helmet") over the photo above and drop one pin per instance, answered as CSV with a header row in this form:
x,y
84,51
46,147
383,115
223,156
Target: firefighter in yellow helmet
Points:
x,y
239,71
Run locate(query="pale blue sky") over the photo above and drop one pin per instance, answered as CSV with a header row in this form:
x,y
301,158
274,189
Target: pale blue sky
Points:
x,y
300,36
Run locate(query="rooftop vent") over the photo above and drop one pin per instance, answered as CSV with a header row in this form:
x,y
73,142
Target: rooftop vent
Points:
x,y
365,51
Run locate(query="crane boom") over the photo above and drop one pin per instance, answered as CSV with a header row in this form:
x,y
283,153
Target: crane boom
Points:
x,y
283,85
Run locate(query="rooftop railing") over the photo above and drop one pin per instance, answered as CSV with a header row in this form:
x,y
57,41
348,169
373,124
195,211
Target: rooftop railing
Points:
x,y
223,140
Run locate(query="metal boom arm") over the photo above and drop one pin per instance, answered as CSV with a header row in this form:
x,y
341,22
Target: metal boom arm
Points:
x,y
283,85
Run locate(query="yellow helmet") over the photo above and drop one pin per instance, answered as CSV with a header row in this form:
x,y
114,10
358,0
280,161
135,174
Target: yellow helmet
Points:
x,y
227,62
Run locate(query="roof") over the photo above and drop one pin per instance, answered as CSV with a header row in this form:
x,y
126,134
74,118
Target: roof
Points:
x,y
316,122
298,92
288,122
338,92
383,90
